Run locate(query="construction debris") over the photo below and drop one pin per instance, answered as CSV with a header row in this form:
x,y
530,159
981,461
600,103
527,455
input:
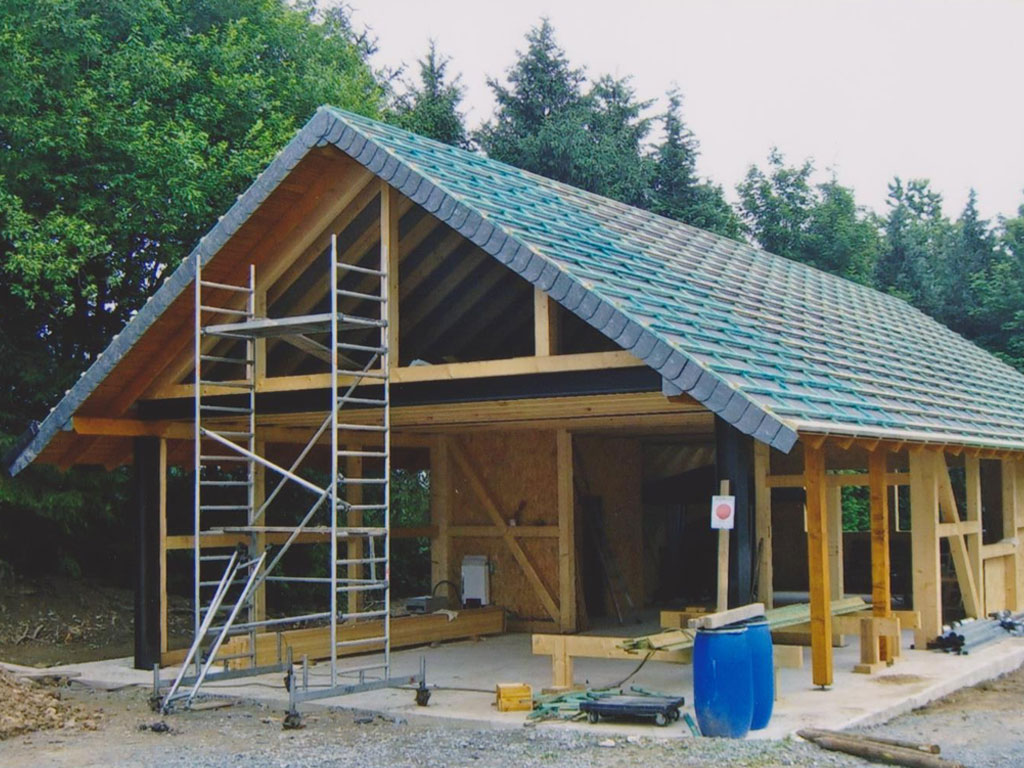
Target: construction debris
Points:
x,y
878,750
29,706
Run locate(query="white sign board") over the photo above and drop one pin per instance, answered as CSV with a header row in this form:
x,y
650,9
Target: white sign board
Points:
x,y
723,512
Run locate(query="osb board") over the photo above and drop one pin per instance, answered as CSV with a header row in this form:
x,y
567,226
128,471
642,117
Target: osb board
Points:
x,y
519,470
612,468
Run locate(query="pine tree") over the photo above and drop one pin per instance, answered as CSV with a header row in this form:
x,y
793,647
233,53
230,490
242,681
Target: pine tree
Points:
x,y
432,107
676,190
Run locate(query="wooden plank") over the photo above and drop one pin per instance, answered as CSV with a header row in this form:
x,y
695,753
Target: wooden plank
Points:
x,y
566,532
722,578
728,616
788,656
545,324
1004,548
881,586
276,538
834,509
924,519
952,527
763,524
516,531
389,258
491,508
440,513
817,564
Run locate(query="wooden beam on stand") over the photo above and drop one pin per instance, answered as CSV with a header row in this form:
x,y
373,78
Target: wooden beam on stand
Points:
x,y
881,588
817,565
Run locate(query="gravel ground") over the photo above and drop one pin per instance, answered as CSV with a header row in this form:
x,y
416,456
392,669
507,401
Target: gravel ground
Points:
x,y
979,726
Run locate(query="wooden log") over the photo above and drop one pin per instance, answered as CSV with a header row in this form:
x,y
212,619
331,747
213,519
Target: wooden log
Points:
x,y
813,733
883,753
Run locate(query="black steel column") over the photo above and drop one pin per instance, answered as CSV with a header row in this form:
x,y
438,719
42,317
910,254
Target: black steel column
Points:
x,y
734,461
146,499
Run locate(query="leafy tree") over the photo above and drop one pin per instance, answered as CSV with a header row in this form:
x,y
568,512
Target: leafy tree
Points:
x,y
125,128
676,190
546,123
998,290
432,107
819,225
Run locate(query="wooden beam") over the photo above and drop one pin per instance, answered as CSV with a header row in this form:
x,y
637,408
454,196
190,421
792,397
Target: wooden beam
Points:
x,y
517,531
837,479
389,259
728,616
486,500
817,564
924,519
834,509
440,513
972,481
545,324
1013,511
566,532
763,524
881,588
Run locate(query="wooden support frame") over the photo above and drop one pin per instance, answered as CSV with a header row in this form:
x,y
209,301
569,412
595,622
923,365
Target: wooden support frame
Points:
x,y
834,508
881,586
817,564
959,534
486,499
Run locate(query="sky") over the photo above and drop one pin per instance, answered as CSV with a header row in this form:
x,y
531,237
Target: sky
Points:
x,y
868,89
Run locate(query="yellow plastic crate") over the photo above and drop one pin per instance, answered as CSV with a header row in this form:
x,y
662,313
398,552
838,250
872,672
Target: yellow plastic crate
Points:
x,y
514,697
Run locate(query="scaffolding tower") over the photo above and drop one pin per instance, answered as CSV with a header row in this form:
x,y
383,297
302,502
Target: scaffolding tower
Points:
x,y
352,508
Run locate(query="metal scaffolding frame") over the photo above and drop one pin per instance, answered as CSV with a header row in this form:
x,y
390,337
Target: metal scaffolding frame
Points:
x,y
227,455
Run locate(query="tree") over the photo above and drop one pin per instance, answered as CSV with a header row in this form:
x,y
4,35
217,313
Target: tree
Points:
x,y
125,128
432,108
917,238
820,225
676,190
997,311
546,123
971,254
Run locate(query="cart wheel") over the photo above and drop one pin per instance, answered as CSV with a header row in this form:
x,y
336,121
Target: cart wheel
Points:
x,y
593,717
660,719
674,714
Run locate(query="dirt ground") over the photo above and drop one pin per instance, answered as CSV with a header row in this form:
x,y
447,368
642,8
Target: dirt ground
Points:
x,y
58,620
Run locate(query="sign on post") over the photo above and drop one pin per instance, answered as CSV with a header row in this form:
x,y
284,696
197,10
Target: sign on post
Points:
x,y
723,512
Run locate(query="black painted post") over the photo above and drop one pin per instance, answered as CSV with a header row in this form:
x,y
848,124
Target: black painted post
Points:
x,y
147,551
734,461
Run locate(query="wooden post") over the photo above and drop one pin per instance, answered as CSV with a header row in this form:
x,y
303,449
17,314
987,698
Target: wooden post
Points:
x,y
722,601
389,257
817,564
834,506
1012,513
566,533
972,480
545,324
881,588
763,524
147,494
924,545
163,545
440,514
354,549
258,542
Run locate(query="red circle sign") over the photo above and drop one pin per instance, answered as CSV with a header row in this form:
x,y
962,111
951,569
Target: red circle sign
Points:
x,y
723,511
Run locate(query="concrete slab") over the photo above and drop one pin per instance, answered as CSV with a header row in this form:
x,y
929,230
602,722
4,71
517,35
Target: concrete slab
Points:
x,y
463,676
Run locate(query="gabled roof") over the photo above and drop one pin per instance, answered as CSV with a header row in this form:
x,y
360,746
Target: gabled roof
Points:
x,y
772,346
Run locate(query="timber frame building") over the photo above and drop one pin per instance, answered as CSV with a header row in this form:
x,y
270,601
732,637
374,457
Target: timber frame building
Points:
x,y
546,348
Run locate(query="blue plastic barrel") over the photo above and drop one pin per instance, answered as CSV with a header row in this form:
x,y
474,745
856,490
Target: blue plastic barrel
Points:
x,y
723,690
759,639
